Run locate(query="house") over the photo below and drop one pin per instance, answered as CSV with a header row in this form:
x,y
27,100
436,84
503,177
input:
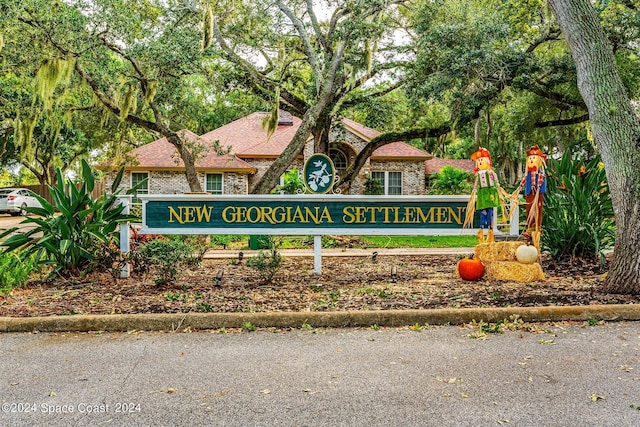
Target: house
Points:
x,y
399,166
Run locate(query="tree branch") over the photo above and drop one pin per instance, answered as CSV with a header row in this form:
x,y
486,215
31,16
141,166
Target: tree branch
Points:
x,y
308,49
550,34
557,97
384,139
111,105
261,83
562,122
314,23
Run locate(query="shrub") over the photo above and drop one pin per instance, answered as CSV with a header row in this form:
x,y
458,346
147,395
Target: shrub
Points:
x,y
578,212
292,183
14,271
451,180
267,263
373,187
167,257
70,233
198,245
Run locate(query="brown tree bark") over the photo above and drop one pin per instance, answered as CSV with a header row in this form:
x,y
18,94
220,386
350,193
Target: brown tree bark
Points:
x,y
615,128
272,175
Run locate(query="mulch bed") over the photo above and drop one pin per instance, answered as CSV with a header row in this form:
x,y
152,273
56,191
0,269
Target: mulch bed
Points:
x,y
347,283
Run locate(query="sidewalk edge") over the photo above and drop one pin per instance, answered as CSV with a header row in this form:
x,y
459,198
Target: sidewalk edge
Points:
x,y
332,319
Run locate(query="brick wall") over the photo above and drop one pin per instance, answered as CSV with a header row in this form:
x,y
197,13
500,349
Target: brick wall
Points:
x,y
413,179
174,182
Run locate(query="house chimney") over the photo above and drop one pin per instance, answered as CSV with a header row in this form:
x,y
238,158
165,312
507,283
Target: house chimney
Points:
x,y
285,118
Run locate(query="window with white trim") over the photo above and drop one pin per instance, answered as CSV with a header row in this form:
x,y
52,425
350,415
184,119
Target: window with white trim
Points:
x,y
391,181
214,183
136,178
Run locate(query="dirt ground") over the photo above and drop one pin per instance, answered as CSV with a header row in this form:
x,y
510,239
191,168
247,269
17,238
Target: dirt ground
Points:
x,y
347,283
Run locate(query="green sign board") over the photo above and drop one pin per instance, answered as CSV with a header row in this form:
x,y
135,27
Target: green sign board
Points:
x,y
319,174
303,214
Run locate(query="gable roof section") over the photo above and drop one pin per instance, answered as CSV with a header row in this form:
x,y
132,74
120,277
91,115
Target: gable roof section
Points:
x,y
392,151
162,155
434,165
248,139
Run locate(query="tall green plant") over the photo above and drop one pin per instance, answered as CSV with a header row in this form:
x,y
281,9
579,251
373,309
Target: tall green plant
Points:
x,y
69,233
578,212
14,272
451,180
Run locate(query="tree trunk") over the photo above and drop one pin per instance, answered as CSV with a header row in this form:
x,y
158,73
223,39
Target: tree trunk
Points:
x,y
189,163
615,129
277,168
321,134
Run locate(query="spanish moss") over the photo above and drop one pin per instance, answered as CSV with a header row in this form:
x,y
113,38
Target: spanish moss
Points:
x,y
207,30
50,75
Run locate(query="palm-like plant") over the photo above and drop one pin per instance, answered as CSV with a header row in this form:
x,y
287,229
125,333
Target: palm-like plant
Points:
x,y
69,233
451,180
578,212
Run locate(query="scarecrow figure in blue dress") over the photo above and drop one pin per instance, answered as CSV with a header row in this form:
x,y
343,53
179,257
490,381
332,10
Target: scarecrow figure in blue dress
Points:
x,y
535,186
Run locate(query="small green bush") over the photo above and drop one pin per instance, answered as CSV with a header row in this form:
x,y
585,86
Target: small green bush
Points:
x,y
373,187
14,271
292,183
451,180
167,257
578,213
267,263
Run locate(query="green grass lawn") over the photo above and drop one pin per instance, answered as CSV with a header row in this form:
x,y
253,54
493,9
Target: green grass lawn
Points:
x,y
420,241
304,242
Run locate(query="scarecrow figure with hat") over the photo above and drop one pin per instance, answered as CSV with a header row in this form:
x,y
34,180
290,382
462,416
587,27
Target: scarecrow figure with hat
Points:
x,y
485,195
535,185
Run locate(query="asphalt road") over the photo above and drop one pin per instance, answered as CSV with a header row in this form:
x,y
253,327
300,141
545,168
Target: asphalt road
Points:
x,y
439,376
7,221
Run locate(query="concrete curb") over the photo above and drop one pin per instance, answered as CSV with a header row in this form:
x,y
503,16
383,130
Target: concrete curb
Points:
x,y
334,319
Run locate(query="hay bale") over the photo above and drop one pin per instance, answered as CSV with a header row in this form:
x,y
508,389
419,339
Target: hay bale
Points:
x,y
497,251
513,271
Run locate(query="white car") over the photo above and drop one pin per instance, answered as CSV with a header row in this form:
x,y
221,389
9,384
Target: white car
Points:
x,y
15,200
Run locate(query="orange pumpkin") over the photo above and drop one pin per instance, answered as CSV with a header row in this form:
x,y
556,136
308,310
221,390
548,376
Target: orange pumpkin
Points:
x,y
470,269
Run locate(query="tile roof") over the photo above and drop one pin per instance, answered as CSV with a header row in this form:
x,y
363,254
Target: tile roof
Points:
x,y
247,138
161,154
361,129
399,151
434,165
395,150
